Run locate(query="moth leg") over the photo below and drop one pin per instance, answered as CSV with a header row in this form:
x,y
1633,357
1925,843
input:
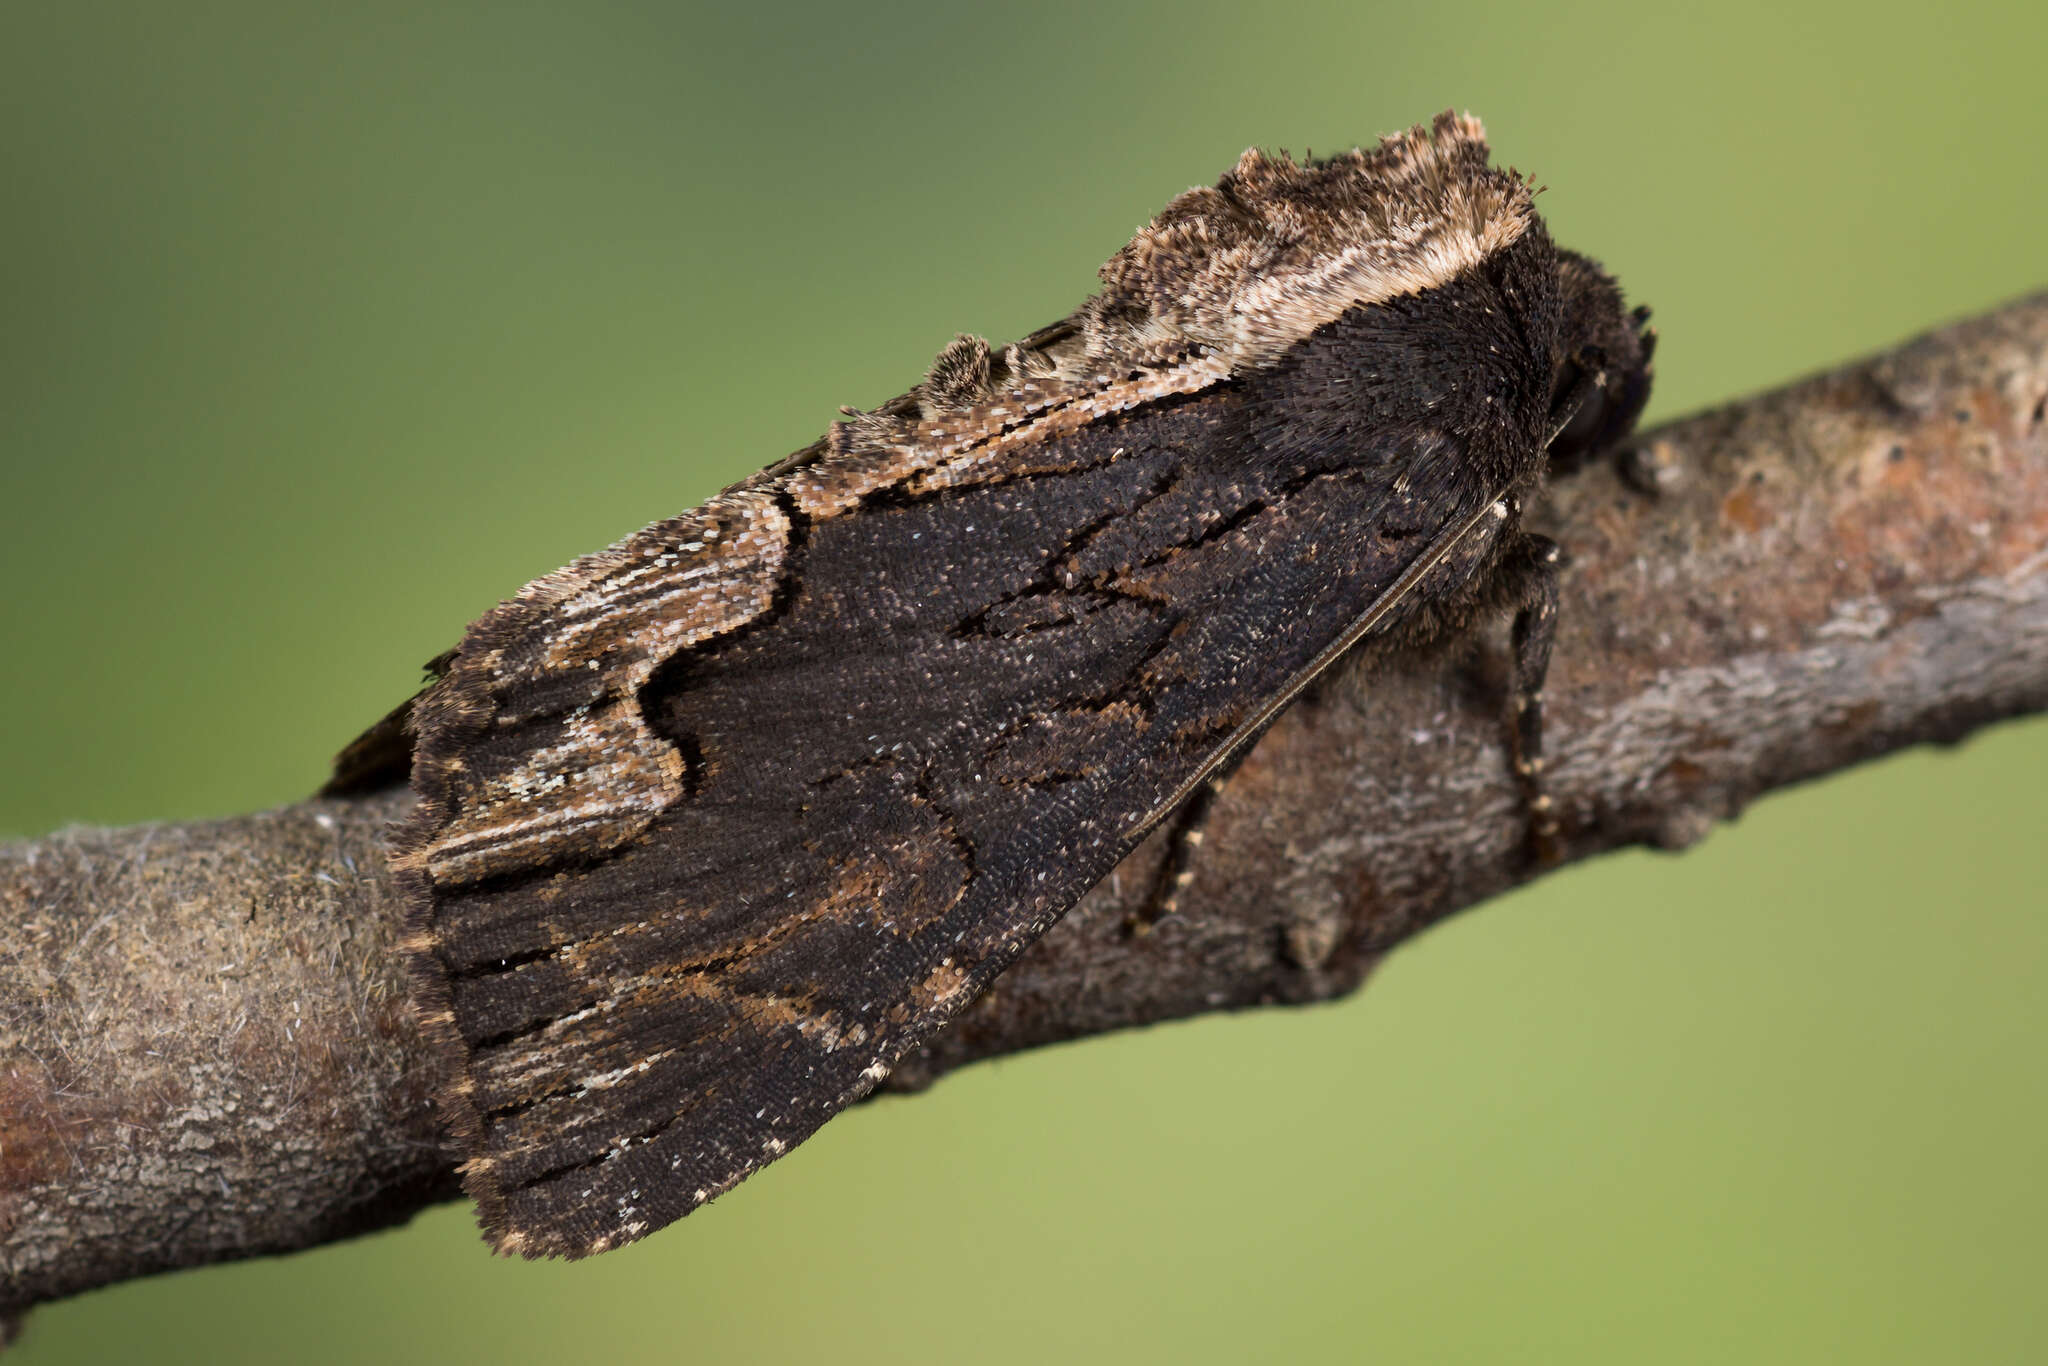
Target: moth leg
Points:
x,y
1535,570
1177,870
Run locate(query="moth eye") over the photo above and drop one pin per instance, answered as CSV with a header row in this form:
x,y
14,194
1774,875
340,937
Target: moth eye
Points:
x,y
1578,434
1582,427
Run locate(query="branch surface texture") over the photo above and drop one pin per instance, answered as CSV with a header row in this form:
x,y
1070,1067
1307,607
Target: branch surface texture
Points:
x,y
205,1046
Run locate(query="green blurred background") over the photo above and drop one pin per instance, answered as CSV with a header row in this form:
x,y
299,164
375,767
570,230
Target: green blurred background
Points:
x,y
325,327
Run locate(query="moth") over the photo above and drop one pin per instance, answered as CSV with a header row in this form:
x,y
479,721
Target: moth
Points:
x,y
714,825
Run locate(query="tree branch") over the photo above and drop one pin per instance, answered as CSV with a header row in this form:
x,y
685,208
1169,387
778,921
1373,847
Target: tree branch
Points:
x,y
205,1051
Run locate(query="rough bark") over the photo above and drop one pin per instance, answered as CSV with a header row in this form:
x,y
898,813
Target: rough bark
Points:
x,y
205,1050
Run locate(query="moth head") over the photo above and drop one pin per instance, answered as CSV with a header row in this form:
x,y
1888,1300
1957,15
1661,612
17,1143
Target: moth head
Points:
x,y
1600,363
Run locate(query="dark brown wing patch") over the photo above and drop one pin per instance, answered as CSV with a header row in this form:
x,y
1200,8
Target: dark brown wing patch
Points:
x,y
953,724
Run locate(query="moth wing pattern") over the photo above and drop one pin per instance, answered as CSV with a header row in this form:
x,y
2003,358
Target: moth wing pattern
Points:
x,y
674,994
561,667
715,825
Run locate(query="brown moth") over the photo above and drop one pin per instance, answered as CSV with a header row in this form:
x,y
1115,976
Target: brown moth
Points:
x,y
715,825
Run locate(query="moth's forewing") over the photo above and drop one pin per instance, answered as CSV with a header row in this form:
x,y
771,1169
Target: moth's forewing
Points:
x,y
716,825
